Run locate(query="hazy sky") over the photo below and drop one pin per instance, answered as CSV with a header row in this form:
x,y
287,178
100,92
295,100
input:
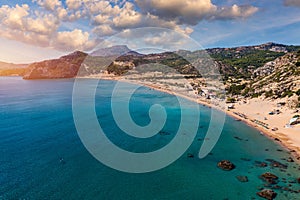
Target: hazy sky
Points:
x,y
33,30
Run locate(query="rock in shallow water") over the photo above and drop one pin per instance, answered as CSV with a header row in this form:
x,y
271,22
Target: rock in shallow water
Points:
x,y
242,179
260,164
267,194
269,178
189,155
226,165
276,164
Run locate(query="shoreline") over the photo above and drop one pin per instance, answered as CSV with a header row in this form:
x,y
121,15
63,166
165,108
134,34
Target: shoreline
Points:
x,y
295,152
279,138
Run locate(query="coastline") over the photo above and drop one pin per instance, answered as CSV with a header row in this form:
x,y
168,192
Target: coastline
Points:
x,y
282,136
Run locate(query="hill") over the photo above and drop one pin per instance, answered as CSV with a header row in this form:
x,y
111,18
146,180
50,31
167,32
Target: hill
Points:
x,y
269,70
10,69
64,67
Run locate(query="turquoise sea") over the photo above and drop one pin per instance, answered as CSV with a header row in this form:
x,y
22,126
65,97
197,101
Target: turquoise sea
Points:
x,y
42,157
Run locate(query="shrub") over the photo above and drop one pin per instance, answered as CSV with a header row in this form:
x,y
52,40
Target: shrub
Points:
x,y
269,93
230,100
287,93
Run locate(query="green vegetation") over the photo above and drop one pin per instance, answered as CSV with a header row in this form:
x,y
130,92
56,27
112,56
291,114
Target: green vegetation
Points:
x,y
236,89
230,100
247,91
117,69
256,95
288,93
292,48
269,94
241,60
97,63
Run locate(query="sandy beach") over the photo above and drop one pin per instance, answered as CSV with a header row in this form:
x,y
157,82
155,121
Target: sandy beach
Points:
x,y
257,110
253,112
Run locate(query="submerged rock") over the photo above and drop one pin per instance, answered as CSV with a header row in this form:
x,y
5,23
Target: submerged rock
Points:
x,y
242,179
269,178
238,138
267,194
189,155
274,163
246,159
226,165
260,164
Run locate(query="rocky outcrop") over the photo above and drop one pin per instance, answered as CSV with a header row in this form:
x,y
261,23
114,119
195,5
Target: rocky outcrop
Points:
x,y
267,194
269,178
226,165
64,67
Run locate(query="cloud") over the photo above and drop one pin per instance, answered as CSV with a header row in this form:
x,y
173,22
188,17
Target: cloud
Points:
x,y
76,39
62,13
48,4
292,3
13,17
235,12
44,25
55,24
102,6
152,39
128,17
165,39
189,11
193,11
40,29
103,30
101,19
74,4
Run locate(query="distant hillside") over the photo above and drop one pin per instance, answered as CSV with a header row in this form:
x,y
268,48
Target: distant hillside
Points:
x,y
64,67
10,69
97,61
269,70
276,79
279,78
117,50
240,62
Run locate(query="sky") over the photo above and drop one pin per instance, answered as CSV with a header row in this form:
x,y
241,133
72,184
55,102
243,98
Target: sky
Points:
x,y
34,30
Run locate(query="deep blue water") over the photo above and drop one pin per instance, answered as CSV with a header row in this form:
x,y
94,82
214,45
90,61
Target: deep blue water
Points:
x,y
37,130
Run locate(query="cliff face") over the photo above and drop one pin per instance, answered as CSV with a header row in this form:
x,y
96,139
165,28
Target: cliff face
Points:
x,y
64,67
